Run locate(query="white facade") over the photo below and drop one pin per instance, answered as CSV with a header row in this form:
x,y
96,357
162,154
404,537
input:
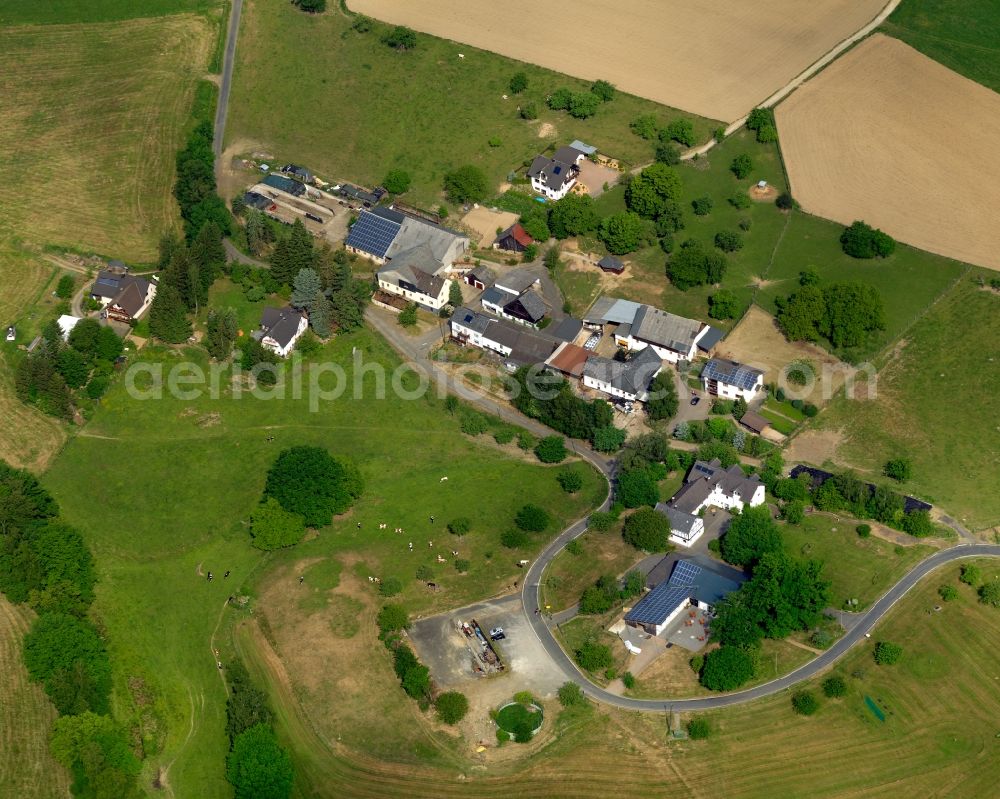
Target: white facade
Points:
x,y
276,348
719,499
553,194
607,388
671,356
728,391
478,339
434,303
672,617
687,539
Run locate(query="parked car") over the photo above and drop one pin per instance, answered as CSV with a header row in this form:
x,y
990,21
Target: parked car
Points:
x,y
695,400
495,632
497,637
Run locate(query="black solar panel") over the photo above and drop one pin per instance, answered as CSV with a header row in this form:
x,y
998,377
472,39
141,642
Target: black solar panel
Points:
x,y
703,469
373,234
743,377
659,603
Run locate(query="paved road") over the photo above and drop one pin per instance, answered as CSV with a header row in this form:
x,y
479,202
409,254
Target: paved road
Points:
x,y
232,254
227,77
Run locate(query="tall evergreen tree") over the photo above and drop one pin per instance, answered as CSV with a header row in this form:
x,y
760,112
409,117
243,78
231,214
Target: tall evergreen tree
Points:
x,y
321,315
221,333
258,232
179,275
209,253
305,289
341,275
293,253
347,310
169,242
168,316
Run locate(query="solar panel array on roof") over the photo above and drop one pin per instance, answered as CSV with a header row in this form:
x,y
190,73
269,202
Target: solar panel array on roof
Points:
x,y
703,468
108,281
685,573
732,373
658,604
373,234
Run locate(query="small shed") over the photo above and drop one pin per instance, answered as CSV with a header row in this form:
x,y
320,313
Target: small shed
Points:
x,y
514,239
754,422
480,277
611,264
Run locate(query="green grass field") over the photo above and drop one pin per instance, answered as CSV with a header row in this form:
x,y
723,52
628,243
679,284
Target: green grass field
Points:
x,y
935,406
352,109
857,568
178,479
62,12
601,553
964,35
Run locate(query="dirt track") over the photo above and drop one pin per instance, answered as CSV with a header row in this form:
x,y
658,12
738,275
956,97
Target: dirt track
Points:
x,y
889,136
717,59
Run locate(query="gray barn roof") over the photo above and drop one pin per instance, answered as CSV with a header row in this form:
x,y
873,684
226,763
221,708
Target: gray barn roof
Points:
x,y
665,329
284,184
567,329
611,310
281,324
632,376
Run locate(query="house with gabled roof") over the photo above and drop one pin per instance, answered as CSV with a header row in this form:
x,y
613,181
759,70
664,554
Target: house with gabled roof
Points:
x,y
411,275
124,297
512,296
708,484
628,380
554,177
731,379
690,584
514,239
519,345
280,328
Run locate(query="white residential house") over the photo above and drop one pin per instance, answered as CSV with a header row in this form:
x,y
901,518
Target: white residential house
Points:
x,y
731,379
410,275
512,296
628,380
280,328
709,485
555,177
519,345
685,528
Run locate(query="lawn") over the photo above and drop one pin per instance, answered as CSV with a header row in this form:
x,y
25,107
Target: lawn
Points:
x,y
568,575
909,280
857,568
27,769
935,406
95,113
63,12
352,109
575,632
964,35
180,478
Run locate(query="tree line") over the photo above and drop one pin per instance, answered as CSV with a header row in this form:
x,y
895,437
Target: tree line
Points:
x,y
46,564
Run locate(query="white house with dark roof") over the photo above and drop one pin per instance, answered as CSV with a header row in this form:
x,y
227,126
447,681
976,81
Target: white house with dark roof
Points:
x,y
280,328
638,326
708,484
731,379
685,528
628,380
519,345
124,297
512,296
554,177
411,275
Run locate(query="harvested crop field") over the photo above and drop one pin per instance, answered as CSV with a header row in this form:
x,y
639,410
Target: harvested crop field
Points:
x,y
716,59
889,136
93,115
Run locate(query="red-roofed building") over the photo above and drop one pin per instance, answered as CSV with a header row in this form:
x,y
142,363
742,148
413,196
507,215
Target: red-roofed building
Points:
x,y
569,359
515,239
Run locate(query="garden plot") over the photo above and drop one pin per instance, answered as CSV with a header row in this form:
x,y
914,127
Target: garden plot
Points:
x,y
717,59
889,136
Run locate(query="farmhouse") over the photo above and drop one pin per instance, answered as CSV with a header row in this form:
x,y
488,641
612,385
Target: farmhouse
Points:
x,y
280,328
254,199
411,275
690,584
638,326
555,177
710,485
512,297
518,345
514,239
124,297
730,379
628,380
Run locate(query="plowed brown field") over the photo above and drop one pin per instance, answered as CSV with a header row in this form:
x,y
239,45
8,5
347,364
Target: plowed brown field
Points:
x,y
716,58
889,136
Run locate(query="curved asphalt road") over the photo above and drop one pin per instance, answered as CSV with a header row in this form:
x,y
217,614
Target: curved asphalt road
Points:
x,y
531,597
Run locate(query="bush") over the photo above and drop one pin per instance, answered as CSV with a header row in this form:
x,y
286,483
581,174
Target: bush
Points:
x,y
461,565
698,729
527,111
311,6
424,573
518,83
948,593
551,449
834,687
645,127
310,482
647,529
681,131
863,241
571,694
593,656
390,586
514,539
272,527
601,521
667,153
742,166
258,766
741,200
451,707
400,38
574,547
697,663
804,703
396,181
628,680
702,205
466,184
570,480
887,654
474,424
603,90
728,241
723,305
989,593
392,618
899,469
532,518
525,440
810,410
863,530
726,669
460,526
970,574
